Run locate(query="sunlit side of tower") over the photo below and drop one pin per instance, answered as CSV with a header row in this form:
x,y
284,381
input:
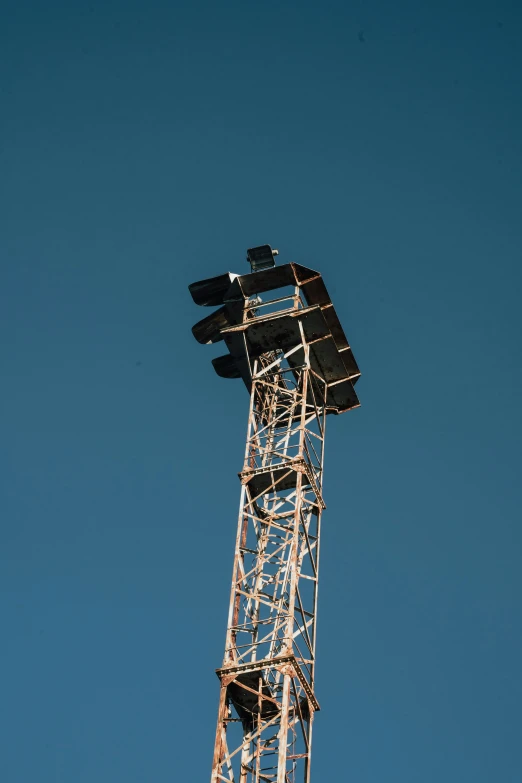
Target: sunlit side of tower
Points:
x,y
293,356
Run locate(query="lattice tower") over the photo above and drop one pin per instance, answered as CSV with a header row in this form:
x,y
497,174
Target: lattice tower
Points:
x,y
267,697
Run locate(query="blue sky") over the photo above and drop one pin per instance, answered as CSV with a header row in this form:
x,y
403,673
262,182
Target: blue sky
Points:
x,y
147,145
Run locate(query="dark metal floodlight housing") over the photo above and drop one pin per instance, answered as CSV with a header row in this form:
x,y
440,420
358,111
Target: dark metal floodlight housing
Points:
x,y
249,332
261,257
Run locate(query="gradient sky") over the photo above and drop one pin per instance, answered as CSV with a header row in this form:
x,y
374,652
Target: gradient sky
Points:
x,y
145,145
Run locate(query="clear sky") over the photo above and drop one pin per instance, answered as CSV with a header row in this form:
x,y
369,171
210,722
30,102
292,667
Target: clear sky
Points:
x,y
144,145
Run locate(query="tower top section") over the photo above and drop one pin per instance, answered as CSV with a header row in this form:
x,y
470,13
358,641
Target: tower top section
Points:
x,y
302,312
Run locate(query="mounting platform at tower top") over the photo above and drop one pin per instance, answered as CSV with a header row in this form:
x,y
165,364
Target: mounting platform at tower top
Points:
x,y
314,318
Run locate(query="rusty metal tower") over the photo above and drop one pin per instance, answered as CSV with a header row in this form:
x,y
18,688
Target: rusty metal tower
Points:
x,y
294,358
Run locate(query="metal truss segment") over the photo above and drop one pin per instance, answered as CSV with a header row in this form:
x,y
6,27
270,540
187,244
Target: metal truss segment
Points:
x,y
269,701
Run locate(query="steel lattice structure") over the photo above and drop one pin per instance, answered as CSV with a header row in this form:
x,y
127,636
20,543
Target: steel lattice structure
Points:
x,y
296,362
